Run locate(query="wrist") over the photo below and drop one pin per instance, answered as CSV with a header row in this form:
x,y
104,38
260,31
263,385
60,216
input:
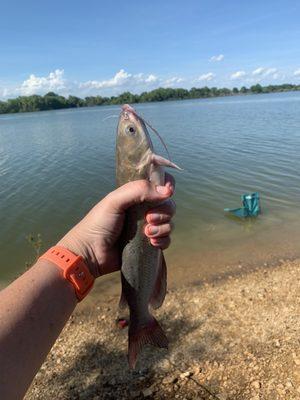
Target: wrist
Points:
x,y
72,268
53,277
76,246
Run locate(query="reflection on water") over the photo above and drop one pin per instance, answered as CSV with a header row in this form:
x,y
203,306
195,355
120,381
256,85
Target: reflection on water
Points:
x,y
55,165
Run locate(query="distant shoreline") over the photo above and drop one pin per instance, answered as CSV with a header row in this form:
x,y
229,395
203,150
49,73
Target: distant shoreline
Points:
x,y
53,101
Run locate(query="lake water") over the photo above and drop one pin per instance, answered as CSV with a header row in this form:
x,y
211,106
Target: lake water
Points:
x,y
55,165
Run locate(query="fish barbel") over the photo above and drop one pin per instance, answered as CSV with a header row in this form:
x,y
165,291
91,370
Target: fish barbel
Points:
x,y
143,271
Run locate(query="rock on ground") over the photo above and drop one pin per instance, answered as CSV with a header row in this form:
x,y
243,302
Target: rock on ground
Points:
x,y
235,340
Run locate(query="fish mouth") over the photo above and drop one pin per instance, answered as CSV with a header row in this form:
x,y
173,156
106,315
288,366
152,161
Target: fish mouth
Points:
x,y
129,114
128,108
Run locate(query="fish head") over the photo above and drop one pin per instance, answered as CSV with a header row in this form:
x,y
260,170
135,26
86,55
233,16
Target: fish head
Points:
x,y
133,135
133,142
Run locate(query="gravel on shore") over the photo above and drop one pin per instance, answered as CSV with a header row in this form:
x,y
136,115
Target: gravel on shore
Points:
x,y
237,339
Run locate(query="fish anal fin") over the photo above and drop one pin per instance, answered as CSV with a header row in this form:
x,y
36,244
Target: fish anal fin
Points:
x,y
151,333
160,287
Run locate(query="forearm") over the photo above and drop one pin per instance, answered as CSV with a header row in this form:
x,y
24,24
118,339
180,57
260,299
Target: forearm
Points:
x,y
34,310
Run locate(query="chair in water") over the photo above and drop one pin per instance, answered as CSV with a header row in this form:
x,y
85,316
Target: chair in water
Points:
x,y
250,208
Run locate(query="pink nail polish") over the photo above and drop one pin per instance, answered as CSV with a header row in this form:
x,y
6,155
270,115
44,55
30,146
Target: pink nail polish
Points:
x,y
162,190
155,218
153,230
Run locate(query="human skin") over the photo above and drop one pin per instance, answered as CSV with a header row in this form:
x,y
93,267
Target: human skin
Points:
x,y
36,306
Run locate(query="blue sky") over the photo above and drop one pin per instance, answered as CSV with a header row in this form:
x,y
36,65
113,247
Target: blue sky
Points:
x,y
107,47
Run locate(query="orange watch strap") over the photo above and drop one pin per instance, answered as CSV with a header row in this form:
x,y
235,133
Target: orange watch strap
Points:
x,y
73,267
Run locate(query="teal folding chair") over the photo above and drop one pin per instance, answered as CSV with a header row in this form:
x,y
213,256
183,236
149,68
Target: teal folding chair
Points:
x,y
250,208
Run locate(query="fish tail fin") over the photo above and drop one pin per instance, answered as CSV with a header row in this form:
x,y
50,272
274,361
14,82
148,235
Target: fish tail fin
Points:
x,y
151,333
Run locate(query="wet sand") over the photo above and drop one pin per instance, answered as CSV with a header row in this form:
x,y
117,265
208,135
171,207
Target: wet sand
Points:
x,y
236,338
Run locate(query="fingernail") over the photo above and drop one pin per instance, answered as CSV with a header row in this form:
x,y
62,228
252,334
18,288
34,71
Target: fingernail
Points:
x,y
169,184
162,189
152,230
155,218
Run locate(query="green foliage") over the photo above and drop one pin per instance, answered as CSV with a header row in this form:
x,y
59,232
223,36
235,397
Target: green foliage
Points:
x,y
74,101
256,88
53,101
36,244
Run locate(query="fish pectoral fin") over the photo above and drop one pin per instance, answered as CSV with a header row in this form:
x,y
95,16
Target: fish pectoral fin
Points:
x,y
160,287
123,302
151,333
159,160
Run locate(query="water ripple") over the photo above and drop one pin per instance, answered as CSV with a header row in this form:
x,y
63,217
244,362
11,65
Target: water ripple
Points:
x,y
55,165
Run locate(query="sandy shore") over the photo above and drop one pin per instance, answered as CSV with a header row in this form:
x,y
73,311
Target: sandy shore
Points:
x,y
236,339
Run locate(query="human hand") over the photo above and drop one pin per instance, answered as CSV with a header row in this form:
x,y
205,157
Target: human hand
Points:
x,y
96,236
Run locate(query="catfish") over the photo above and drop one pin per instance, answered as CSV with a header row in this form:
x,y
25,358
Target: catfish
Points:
x,y
143,271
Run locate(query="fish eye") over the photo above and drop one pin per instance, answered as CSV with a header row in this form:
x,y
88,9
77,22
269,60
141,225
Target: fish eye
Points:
x,y
130,129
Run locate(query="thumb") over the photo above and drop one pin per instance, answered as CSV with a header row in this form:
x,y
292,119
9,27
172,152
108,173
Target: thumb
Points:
x,y
137,192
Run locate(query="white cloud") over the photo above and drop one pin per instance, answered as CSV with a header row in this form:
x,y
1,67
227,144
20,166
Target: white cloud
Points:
x,y
262,71
135,83
206,77
151,79
41,84
238,75
120,79
56,82
258,71
220,57
297,72
4,92
174,81
270,71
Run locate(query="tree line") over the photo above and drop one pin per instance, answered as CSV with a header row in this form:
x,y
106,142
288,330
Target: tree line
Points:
x,y
53,101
